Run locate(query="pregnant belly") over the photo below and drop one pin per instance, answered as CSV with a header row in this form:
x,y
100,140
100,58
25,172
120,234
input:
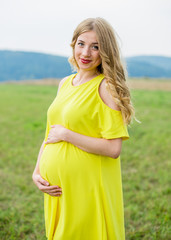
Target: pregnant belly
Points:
x,y
52,162
64,163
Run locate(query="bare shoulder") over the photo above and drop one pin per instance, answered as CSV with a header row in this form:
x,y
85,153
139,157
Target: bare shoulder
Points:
x,y
61,83
106,96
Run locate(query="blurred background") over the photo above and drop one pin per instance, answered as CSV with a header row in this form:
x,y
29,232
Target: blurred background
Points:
x,y
35,41
36,35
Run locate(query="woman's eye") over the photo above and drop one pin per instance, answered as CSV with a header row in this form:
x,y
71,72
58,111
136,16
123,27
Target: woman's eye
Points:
x,y
80,44
96,47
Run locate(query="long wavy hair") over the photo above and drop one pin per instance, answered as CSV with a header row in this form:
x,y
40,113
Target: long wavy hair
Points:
x,y
111,65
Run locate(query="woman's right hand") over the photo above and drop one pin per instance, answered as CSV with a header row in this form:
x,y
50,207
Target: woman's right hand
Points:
x,y
45,187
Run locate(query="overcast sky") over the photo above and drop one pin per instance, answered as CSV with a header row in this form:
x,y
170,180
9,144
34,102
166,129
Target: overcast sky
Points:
x,y
144,26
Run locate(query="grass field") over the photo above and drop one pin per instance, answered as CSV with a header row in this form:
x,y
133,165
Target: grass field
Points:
x,y
145,163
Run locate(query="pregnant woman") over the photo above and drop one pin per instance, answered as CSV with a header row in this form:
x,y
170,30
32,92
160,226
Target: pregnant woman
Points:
x,y
78,166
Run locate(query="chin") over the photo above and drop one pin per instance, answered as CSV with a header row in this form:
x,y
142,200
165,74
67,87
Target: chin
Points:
x,y
87,67
84,67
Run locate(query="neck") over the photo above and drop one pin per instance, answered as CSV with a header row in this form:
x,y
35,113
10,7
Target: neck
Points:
x,y
84,76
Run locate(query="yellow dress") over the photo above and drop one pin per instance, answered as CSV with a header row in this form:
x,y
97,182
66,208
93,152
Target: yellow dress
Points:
x,y
91,204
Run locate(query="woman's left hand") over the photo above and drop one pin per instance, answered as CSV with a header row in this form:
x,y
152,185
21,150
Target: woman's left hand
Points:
x,y
56,134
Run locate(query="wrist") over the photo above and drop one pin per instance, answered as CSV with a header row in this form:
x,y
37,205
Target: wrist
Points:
x,y
36,171
66,134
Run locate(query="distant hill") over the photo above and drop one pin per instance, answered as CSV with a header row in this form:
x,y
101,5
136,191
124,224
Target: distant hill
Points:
x,y
149,66
30,65
18,65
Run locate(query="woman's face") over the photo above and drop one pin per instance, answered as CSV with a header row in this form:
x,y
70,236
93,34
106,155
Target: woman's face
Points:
x,y
86,51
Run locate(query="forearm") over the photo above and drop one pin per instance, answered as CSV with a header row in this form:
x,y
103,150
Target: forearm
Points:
x,y
100,146
38,158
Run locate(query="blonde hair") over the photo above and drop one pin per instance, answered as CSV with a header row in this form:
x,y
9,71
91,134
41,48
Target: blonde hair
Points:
x,y
111,65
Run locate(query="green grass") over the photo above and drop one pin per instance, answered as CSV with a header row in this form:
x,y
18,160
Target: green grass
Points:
x,y
145,164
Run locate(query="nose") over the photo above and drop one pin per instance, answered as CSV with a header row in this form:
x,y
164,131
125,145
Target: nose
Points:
x,y
86,51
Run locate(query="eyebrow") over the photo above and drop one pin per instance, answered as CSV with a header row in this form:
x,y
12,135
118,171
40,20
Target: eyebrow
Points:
x,y
92,43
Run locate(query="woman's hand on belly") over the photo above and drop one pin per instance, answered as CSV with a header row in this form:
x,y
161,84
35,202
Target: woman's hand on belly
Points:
x,y
44,186
56,134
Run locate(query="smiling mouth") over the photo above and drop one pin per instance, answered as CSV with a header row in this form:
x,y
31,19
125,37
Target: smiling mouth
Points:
x,y
85,61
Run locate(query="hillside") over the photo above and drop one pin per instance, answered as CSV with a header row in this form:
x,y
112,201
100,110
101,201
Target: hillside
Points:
x,y
17,65
149,66
30,65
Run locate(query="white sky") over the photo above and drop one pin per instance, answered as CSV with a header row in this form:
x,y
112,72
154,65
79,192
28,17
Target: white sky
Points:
x,y
144,26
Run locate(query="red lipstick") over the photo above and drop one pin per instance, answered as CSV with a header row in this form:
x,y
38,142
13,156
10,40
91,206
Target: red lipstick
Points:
x,y
85,61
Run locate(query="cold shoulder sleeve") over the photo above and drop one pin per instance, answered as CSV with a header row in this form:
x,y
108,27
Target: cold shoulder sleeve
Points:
x,y
112,124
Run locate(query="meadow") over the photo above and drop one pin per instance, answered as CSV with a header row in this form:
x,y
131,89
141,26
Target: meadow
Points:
x,y
145,163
